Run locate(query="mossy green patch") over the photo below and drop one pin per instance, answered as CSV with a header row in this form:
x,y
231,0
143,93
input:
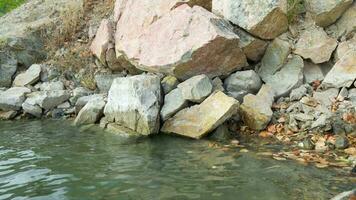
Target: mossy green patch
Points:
x,y
8,5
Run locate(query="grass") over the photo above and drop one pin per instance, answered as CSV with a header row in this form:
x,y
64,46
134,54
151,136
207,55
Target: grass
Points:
x,y
295,7
8,5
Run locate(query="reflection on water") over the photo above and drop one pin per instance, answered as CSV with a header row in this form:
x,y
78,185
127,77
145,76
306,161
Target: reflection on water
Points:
x,y
53,160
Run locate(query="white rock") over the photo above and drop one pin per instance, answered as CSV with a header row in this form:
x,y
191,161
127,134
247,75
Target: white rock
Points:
x,y
29,77
13,98
91,113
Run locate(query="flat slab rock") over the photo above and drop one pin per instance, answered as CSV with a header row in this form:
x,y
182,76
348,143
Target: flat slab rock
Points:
x,y
29,77
186,42
197,121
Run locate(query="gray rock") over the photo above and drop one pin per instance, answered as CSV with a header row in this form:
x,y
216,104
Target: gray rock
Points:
x,y
29,77
13,98
242,83
256,110
7,71
79,92
82,101
221,134
134,103
34,110
345,27
197,88
48,99
218,85
288,78
169,83
104,81
352,95
173,102
312,72
55,85
323,122
64,105
269,22
343,94
49,73
91,112
327,97
299,93
303,117
8,115
341,142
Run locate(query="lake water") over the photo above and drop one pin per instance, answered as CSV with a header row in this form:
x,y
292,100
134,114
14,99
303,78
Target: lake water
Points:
x,y
54,160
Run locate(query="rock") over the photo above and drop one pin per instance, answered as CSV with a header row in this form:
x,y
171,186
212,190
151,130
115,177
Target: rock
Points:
x,y
341,142
274,58
55,85
134,103
256,110
48,99
79,92
343,94
169,83
113,63
327,97
196,89
34,110
64,105
173,102
103,38
82,101
323,122
252,47
352,95
289,77
104,81
312,72
345,47
31,76
269,22
173,46
49,72
13,98
302,117
8,115
221,134
57,113
316,45
7,71
345,27
327,12
91,113
299,93
242,83
218,85
197,121
343,74
121,130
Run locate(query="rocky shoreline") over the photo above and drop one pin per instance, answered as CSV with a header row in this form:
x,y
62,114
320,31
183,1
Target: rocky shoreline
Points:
x,y
198,69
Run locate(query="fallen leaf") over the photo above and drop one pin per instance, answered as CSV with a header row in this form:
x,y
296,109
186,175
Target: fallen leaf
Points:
x,y
265,134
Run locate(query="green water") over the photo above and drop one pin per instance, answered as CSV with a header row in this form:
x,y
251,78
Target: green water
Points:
x,y
53,160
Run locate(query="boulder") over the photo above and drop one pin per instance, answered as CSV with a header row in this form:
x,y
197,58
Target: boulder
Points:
x,y
343,74
48,99
83,100
288,78
256,110
345,47
103,38
55,85
34,110
197,121
29,77
13,98
242,83
312,72
104,81
252,47
169,83
90,113
345,27
197,88
326,12
274,58
184,43
49,73
173,102
7,71
134,103
316,45
79,92
265,19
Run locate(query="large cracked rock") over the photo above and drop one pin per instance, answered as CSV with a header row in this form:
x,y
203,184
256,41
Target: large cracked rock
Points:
x,y
197,121
326,12
13,98
134,103
185,42
316,45
266,19
345,27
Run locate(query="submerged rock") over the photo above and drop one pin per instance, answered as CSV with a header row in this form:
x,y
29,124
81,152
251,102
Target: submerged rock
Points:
x,y
197,121
90,113
13,98
134,103
196,89
29,77
266,19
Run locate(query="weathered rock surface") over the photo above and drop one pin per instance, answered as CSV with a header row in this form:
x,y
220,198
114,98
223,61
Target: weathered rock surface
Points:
x,y
343,74
197,121
316,45
218,85
34,110
312,72
169,83
29,77
327,97
103,38
48,99
55,85
274,58
326,12
13,98
90,113
256,110
252,47
7,71
8,115
242,83
345,27
173,102
196,89
288,78
83,100
104,81
184,43
345,47
78,93
266,19
134,103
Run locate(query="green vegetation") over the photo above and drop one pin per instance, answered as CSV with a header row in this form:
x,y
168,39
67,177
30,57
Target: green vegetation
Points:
x,y
295,7
8,5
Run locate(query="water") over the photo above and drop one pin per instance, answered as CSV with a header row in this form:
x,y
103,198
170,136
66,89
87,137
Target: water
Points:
x,y
53,160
